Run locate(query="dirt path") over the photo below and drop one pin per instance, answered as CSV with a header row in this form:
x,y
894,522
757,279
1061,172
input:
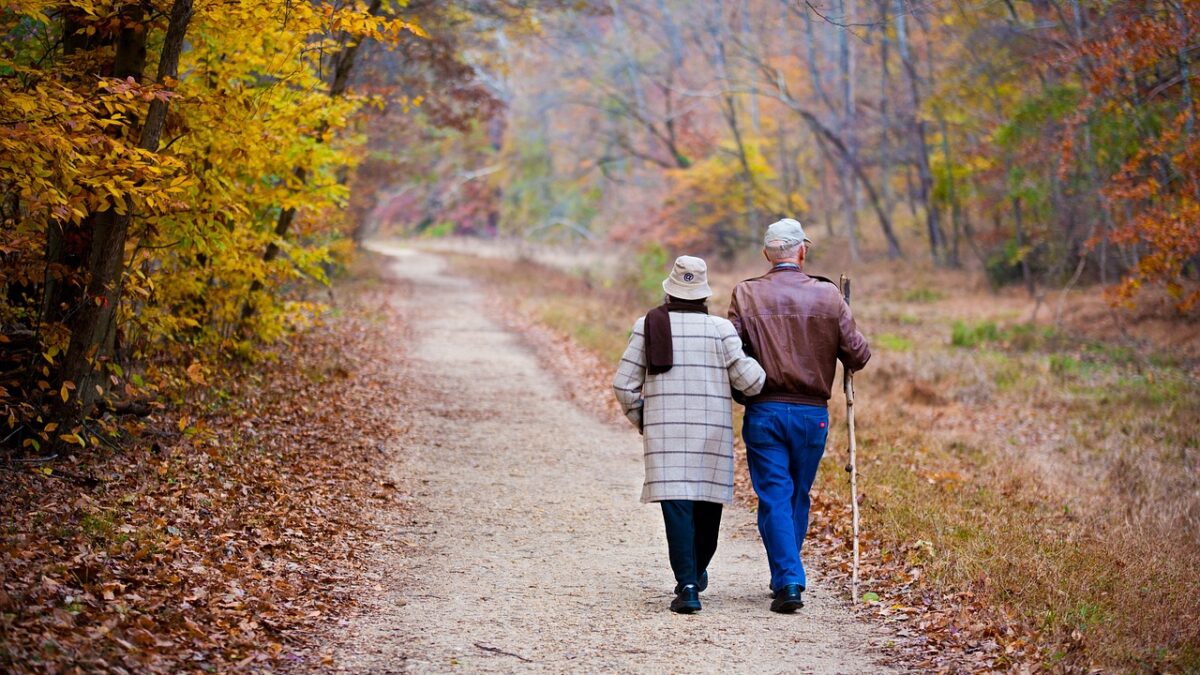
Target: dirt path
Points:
x,y
524,546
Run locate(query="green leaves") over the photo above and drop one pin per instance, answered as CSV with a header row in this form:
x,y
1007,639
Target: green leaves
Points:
x,y
1034,113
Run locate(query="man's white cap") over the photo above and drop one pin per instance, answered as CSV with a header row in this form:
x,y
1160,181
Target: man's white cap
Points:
x,y
688,279
786,230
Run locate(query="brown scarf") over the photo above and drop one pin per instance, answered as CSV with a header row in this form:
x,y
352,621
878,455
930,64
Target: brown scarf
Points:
x,y
659,355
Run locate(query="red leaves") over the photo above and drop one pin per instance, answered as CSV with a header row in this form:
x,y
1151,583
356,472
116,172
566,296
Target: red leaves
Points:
x,y
223,549
1135,76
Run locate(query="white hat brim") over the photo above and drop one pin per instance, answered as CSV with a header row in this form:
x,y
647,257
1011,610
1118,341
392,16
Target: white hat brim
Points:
x,y
696,292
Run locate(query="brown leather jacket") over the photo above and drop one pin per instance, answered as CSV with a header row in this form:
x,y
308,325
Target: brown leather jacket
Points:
x,y
797,326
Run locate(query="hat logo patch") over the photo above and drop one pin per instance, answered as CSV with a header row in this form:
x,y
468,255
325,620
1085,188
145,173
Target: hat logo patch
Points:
x,y
689,276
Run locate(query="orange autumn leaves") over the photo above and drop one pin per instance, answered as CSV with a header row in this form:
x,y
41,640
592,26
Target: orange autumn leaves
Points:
x,y
1140,73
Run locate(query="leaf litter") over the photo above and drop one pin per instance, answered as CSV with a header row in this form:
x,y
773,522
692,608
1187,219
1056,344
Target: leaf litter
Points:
x,y
222,534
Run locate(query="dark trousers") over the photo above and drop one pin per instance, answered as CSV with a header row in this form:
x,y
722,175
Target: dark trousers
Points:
x,y
692,529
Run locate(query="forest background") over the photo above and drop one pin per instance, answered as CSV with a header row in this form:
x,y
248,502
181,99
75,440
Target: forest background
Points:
x,y
180,180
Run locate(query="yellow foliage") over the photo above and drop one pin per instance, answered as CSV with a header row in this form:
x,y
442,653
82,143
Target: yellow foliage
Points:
x,y
713,203
251,131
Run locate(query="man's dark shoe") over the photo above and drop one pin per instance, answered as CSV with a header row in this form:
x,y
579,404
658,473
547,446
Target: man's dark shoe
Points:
x,y
787,599
687,600
702,583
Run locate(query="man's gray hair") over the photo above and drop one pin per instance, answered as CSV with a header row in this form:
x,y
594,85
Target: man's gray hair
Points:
x,y
783,249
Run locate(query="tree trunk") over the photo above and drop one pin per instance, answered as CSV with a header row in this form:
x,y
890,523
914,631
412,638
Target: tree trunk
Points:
x,y
848,131
844,154
747,38
814,71
1185,77
885,116
90,325
1019,226
343,66
952,196
826,138
920,143
729,111
676,43
68,245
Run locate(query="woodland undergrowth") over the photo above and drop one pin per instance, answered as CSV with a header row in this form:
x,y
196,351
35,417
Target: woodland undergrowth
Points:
x,y
221,532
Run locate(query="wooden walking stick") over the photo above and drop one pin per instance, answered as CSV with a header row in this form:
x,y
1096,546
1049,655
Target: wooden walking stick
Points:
x,y
852,467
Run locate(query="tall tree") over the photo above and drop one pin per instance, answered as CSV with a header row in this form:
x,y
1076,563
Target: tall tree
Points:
x,y
92,322
919,136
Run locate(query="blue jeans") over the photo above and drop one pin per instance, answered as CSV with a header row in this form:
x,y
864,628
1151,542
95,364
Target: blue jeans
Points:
x,y
784,444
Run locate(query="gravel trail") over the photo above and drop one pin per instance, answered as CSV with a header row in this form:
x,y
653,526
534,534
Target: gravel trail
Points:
x,y
523,546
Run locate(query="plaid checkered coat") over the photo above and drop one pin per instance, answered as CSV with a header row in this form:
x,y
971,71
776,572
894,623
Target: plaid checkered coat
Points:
x,y
686,413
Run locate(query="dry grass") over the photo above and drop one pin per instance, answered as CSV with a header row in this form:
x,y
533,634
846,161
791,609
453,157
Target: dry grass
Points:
x,y
1049,476
1060,486
598,316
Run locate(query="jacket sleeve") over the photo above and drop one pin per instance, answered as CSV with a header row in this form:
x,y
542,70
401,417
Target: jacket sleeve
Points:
x,y
853,351
745,374
735,313
631,375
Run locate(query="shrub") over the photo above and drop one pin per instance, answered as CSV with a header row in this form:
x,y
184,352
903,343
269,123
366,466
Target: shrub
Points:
x,y
651,269
963,334
922,294
893,342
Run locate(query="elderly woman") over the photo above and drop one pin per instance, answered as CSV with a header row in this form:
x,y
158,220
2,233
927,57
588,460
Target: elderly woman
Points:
x,y
674,385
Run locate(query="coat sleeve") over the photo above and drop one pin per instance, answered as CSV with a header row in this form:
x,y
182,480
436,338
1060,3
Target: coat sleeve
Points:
x,y
745,374
735,313
631,374
853,350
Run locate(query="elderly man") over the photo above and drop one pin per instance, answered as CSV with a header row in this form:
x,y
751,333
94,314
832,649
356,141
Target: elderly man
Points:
x,y
797,326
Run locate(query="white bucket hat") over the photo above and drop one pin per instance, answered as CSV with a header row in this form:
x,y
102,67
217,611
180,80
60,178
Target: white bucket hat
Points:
x,y
688,279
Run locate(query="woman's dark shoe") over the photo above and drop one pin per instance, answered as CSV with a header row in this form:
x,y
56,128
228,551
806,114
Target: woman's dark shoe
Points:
x,y
788,599
687,600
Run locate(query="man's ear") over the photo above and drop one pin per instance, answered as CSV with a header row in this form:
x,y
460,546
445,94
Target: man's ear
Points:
x,y
803,251
765,256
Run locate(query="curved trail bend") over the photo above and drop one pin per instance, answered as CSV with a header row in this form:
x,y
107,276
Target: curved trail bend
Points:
x,y
524,547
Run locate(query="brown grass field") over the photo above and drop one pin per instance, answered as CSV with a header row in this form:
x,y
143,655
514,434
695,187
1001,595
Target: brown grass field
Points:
x,y
1035,482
